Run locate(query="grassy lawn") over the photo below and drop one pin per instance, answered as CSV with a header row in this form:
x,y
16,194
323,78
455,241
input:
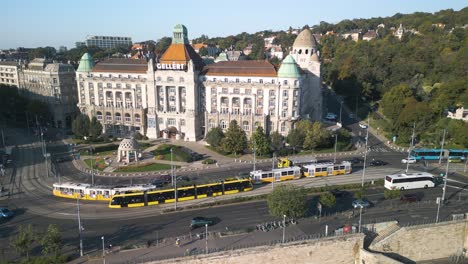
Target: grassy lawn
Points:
x,y
163,152
98,163
145,167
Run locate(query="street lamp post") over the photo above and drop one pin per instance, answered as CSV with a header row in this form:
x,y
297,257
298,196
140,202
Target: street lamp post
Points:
x,y
438,201
341,109
174,183
80,228
360,218
365,156
284,227
103,250
445,181
92,166
206,238
336,143
442,147
411,147
172,171
254,156
272,168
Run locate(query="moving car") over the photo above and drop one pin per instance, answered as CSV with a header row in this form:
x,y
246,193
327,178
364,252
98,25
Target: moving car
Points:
x,y
200,221
360,203
377,163
5,212
408,160
357,160
361,125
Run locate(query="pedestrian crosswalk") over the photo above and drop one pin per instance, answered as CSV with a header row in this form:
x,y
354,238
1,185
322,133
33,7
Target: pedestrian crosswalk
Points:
x,y
379,149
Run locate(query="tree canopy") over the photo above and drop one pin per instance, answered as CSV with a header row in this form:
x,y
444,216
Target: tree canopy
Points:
x,y
288,200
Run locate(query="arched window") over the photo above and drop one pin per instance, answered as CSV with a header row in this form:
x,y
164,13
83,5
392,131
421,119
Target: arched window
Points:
x,y
99,115
300,51
306,51
118,117
245,125
127,117
137,118
285,82
222,124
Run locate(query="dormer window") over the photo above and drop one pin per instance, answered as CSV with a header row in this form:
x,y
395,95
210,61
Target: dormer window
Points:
x,y
285,82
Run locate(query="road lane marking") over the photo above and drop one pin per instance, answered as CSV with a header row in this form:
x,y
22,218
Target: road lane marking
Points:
x,y
457,181
463,189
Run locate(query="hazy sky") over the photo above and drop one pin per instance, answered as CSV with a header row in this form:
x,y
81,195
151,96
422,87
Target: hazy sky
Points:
x,y
35,23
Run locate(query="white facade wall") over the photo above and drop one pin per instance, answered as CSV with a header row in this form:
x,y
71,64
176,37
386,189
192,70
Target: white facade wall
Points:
x,y
118,100
9,74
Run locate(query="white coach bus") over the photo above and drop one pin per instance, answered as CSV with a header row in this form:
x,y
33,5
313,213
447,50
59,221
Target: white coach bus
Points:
x,y
405,181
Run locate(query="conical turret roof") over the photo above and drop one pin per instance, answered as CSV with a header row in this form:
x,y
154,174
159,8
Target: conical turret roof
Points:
x,y
288,68
86,63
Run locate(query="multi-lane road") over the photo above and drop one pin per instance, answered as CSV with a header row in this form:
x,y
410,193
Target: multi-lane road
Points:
x,y
33,203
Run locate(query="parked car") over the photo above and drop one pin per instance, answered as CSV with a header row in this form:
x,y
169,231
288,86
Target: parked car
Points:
x,y
408,160
5,212
200,221
409,198
363,126
377,163
331,116
361,203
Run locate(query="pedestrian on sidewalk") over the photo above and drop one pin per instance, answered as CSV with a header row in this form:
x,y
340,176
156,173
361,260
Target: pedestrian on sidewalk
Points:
x,y
177,242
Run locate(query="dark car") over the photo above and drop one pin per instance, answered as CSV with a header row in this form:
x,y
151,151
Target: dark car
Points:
x,y
5,212
377,163
356,160
361,203
200,221
409,198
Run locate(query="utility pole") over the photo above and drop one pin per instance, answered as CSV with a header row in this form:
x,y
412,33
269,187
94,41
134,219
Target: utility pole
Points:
x,y
80,228
92,166
284,227
442,148
411,147
255,160
365,155
336,142
445,181
206,238
341,109
272,168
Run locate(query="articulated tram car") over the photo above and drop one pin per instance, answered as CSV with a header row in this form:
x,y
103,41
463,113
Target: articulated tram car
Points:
x,y
326,169
85,191
154,197
283,174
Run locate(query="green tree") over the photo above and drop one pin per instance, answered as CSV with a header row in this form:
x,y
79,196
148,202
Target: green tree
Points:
x,y
295,138
215,136
260,139
392,194
235,140
395,99
23,241
327,199
95,128
360,194
80,126
203,52
52,241
288,200
162,45
276,141
316,136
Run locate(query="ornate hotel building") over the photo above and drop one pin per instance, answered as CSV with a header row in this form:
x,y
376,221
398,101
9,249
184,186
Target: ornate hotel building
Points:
x,y
178,96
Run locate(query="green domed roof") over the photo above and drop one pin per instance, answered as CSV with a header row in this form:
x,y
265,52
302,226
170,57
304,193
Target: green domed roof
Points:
x,y
86,63
222,57
289,68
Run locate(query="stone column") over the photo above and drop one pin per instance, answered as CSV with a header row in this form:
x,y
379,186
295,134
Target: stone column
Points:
x,y
177,96
166,101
